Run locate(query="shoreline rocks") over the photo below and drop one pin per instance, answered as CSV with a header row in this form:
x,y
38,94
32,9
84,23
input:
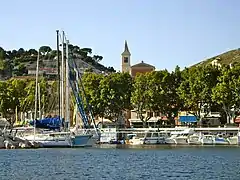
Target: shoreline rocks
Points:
x,y
8,141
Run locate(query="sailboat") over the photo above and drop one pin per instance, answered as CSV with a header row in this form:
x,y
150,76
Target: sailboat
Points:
x,y
64,137
46,138
79,139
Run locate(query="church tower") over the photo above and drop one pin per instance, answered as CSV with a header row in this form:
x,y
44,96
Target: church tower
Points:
x,y
126,59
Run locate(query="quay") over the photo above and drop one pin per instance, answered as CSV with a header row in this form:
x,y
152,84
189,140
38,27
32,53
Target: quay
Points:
x,y
210,130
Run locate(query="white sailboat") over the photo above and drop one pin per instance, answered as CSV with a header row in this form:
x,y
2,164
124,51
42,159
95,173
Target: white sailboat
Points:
x,y
48,138
64,138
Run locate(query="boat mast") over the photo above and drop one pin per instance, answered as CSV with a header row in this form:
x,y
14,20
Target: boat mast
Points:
x,y
62,76
58,77
77,90
67,88
36,96
39,102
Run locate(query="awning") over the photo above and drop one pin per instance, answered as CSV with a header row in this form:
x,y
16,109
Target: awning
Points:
x,y
187,119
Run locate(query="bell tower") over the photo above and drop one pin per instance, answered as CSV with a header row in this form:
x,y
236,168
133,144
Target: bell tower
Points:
x,y
126,59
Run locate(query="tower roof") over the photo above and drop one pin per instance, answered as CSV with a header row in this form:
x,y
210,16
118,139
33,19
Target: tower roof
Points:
x,y
126,50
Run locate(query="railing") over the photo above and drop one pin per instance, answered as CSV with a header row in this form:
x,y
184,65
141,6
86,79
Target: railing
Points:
x,y
212,114
143,130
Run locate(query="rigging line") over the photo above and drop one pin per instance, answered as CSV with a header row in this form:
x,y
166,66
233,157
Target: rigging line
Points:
x,y
79,104
53,105
84,93
73,67
25,102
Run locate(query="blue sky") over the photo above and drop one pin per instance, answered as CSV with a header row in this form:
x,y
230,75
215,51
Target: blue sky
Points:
x,y
162,33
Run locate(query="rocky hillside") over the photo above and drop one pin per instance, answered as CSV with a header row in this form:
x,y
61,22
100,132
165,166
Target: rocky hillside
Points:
x,y
230,57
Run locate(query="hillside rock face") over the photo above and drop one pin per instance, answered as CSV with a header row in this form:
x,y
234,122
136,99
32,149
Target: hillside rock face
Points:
x,y
228,58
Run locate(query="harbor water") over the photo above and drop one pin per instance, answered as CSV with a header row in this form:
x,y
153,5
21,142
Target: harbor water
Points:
x,y
122,162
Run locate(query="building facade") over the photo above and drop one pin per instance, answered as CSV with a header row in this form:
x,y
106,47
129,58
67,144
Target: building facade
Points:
x,y
141,67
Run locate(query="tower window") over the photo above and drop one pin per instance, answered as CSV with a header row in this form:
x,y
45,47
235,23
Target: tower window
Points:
x,y
125,60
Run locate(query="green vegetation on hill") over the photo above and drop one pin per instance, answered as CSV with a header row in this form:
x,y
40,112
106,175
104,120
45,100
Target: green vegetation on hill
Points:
x,y
227,58
17,62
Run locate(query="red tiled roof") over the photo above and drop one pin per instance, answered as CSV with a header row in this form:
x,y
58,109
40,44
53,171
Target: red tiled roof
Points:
x,y
142,64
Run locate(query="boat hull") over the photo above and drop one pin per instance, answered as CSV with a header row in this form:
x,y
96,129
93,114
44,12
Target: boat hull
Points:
x,y
182,141
135,141
221,142
207,141
154,140
60,140
233,140
194,142
52,143
82,140
170,141
48,141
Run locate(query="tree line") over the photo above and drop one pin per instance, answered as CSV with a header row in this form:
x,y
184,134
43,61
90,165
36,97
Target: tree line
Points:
x,y
19,94
195,90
